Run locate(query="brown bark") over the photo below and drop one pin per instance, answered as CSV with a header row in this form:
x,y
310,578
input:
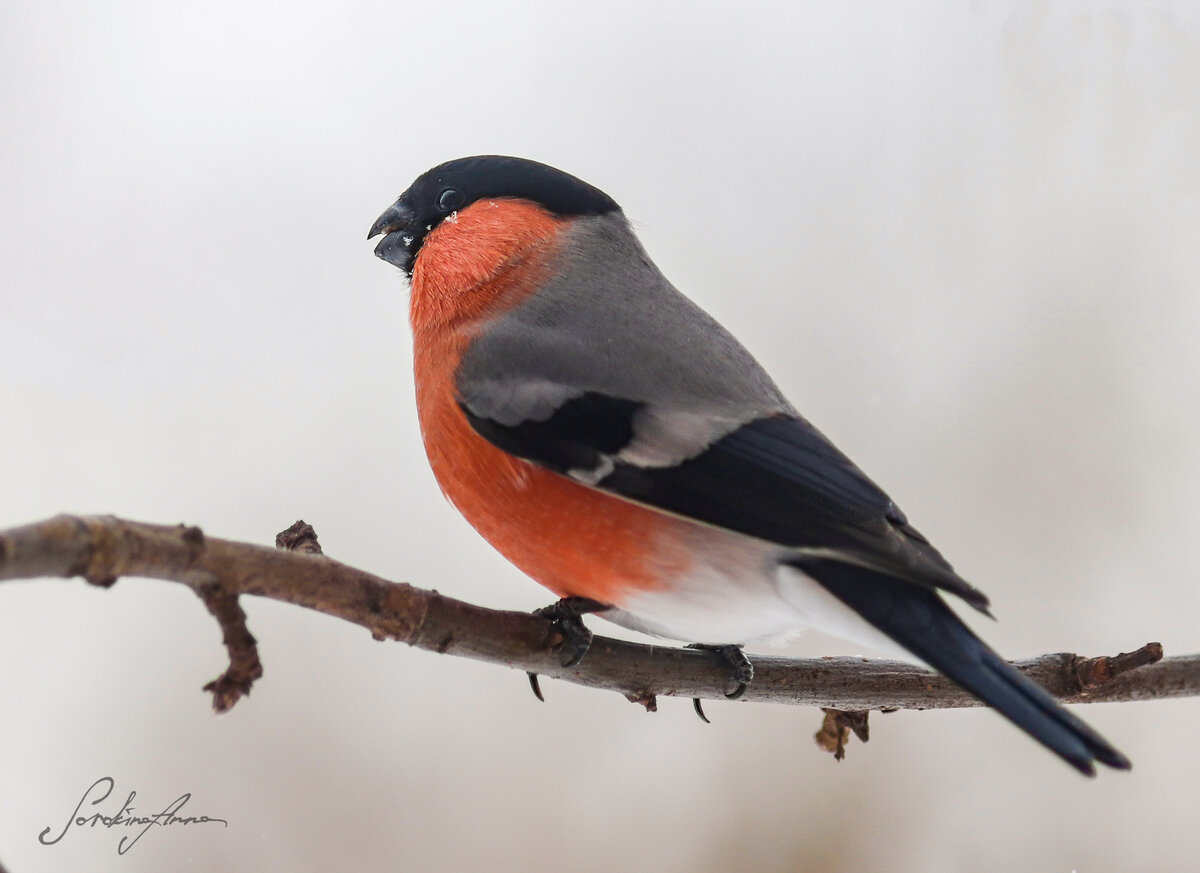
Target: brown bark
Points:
x,y
102,549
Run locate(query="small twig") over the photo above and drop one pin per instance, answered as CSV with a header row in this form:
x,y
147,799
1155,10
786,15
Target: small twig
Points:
x,y
244,665
1094,673
644,698
300,537
836,729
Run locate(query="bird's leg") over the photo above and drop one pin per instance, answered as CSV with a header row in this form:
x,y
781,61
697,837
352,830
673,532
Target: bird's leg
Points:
x,y
567,617
740,667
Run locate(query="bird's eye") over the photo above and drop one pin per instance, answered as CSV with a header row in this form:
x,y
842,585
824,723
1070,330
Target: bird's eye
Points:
x,y
450,199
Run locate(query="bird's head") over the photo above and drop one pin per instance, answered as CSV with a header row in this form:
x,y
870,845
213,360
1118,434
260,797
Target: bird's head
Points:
x,y
455,186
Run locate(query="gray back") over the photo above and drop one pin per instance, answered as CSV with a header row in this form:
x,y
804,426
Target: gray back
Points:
x,y
609,322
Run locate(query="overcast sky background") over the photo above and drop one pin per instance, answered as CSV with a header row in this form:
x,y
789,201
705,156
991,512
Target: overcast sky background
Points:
x,y
965,238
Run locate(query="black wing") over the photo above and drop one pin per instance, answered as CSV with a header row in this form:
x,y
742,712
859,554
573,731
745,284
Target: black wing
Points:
x,y
777,479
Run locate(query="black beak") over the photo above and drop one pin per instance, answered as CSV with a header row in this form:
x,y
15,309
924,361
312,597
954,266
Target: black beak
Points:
x,y
400,242
395,217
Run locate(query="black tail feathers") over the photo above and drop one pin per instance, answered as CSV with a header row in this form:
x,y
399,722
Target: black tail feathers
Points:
x,y
920,621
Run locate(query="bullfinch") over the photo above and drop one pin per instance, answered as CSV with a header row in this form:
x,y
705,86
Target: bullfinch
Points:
x,y
619,446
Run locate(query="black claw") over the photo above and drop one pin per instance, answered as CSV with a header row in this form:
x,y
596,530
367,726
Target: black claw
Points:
x,y
577,639
536,686
700,710
567,617
740,666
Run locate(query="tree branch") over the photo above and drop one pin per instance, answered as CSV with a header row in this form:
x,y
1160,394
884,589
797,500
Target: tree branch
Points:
x,y
102,549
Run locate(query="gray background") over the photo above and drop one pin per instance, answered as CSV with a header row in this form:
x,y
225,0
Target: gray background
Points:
x,y
963,237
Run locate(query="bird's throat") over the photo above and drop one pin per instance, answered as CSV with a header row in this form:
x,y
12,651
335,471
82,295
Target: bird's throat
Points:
x,y
483,260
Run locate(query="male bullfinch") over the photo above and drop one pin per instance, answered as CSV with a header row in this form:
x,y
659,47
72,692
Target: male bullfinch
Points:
x,y
618,445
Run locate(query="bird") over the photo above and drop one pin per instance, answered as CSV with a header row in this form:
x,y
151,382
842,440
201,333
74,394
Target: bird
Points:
x,y
620,447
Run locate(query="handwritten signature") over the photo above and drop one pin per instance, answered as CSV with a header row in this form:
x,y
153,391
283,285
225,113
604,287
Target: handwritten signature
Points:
x,y
103,787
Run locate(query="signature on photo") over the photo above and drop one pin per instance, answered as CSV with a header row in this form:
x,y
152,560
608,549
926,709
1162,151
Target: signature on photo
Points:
x,y
125,817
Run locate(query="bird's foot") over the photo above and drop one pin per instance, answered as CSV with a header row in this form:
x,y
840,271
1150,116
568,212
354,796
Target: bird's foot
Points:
x,y
567,616
741,670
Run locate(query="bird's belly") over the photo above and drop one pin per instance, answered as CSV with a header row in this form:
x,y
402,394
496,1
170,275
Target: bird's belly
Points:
x,y
726,594
737,590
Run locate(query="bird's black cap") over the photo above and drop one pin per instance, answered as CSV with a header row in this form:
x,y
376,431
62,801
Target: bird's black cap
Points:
x,y
457,184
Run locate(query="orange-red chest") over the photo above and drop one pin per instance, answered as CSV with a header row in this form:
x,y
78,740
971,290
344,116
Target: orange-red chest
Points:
x,y
573,539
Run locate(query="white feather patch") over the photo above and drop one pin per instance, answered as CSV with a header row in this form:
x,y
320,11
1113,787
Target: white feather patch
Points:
x,y
737,591
820,610
511,402
666,437
594,475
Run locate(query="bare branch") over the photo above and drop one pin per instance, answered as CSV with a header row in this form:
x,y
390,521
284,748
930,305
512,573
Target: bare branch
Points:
x,y
101,549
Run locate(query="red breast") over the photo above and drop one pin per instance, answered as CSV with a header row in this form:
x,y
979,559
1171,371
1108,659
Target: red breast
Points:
x,y
571,538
